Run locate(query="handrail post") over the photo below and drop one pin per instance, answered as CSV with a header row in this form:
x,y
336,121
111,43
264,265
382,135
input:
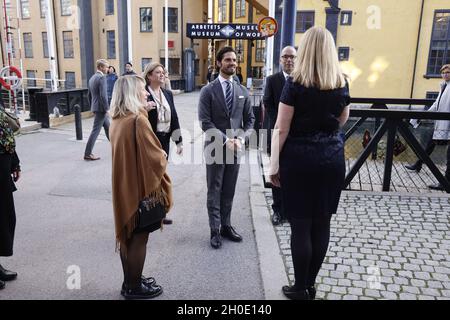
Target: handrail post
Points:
x,y
392,129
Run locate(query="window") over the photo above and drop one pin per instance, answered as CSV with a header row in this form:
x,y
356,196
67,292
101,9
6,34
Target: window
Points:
x,y
240,50
344,53
432,95
173,19
45,44
68,44
222,6
346,18
145,62
43,6
174,65
13,48
25,9
239,8
31,75
305,20
146,19
109,7
66,7
260,50
440,43
111,44
28,44
70,80
48,78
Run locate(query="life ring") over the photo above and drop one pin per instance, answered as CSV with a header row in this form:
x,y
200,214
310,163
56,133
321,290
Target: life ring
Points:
x,y
17,79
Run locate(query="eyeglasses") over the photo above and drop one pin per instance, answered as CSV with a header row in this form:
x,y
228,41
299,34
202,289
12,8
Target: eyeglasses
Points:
x,y
286,56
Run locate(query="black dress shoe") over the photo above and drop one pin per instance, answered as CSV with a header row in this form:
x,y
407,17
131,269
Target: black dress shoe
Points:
x,y
294,294
312,293
6,275
438,186
149,282
231,234
276,219
216,241
415,167
142,292
167,221
2,285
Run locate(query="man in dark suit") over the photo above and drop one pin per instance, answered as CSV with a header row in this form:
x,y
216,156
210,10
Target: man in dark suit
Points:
x,y
98,98
227,119
272,93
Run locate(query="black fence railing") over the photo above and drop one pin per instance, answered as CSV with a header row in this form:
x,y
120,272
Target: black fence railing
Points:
x,y
382,130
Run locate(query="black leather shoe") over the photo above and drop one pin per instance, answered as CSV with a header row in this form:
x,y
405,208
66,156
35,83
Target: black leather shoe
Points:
x,y
276,219
216,241
6,275
415,167
438,186
231,234
311,293
2,285
142,292
167,221
292,293
149,282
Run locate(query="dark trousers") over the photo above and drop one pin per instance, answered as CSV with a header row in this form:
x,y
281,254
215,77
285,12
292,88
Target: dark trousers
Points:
x,y
164,139
309,245
101,120
277,205
221,180
431,145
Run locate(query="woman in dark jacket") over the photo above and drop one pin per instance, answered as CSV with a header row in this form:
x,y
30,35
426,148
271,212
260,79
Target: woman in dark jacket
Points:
x,y
111,79
308,154
9,173
163,117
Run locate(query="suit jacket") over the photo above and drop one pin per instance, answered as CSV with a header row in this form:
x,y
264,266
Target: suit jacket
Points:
x,y
213,113
272,94
98,93
174,122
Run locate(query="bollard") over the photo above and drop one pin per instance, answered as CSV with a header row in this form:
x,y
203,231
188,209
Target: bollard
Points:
x,y
78,125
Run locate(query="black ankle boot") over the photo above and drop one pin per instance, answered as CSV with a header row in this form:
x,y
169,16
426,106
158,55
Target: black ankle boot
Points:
x,y
293,293
311,292
415,167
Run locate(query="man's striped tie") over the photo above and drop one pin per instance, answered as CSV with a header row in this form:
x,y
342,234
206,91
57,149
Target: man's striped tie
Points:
x,y
229,97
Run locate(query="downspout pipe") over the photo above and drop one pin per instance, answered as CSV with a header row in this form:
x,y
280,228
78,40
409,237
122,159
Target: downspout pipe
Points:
x,y
417,51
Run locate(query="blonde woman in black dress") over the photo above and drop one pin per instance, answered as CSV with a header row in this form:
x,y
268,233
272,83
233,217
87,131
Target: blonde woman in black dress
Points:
x,y
308,154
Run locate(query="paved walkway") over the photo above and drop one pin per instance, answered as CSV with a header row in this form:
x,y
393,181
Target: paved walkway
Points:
x,y
383,246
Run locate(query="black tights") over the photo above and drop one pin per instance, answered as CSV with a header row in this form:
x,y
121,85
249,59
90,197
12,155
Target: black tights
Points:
x,y
309,245
132,255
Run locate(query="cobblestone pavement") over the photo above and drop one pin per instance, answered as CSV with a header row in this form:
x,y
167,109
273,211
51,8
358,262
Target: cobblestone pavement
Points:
x,y
383,247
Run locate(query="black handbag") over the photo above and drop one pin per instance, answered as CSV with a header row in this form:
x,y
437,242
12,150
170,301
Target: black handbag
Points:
x,y
150,210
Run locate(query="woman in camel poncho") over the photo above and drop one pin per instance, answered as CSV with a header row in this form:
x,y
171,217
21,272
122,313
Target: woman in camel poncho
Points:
x,y
138,170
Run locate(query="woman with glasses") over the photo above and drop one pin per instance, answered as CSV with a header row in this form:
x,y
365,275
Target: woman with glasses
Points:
x,y
307,158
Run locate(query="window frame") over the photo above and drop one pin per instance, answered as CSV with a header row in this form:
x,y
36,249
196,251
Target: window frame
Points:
x,y
169,24
109,13
345,49
299,12
21,10
111,54
350,18
222,6
140,19
74,79
260,48
25,47
62,8
144,65
46,52
437,75
33,82
41,7
65,41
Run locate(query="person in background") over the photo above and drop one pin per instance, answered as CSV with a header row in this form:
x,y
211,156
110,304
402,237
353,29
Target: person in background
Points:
x,y
111,79
307,158
272,93
441,133
9,174
98,98
239,75
138,171
163,117
129,70
209,75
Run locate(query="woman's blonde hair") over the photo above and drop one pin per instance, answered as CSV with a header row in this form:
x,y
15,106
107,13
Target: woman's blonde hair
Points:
x,y
317,62
126,96
149,68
